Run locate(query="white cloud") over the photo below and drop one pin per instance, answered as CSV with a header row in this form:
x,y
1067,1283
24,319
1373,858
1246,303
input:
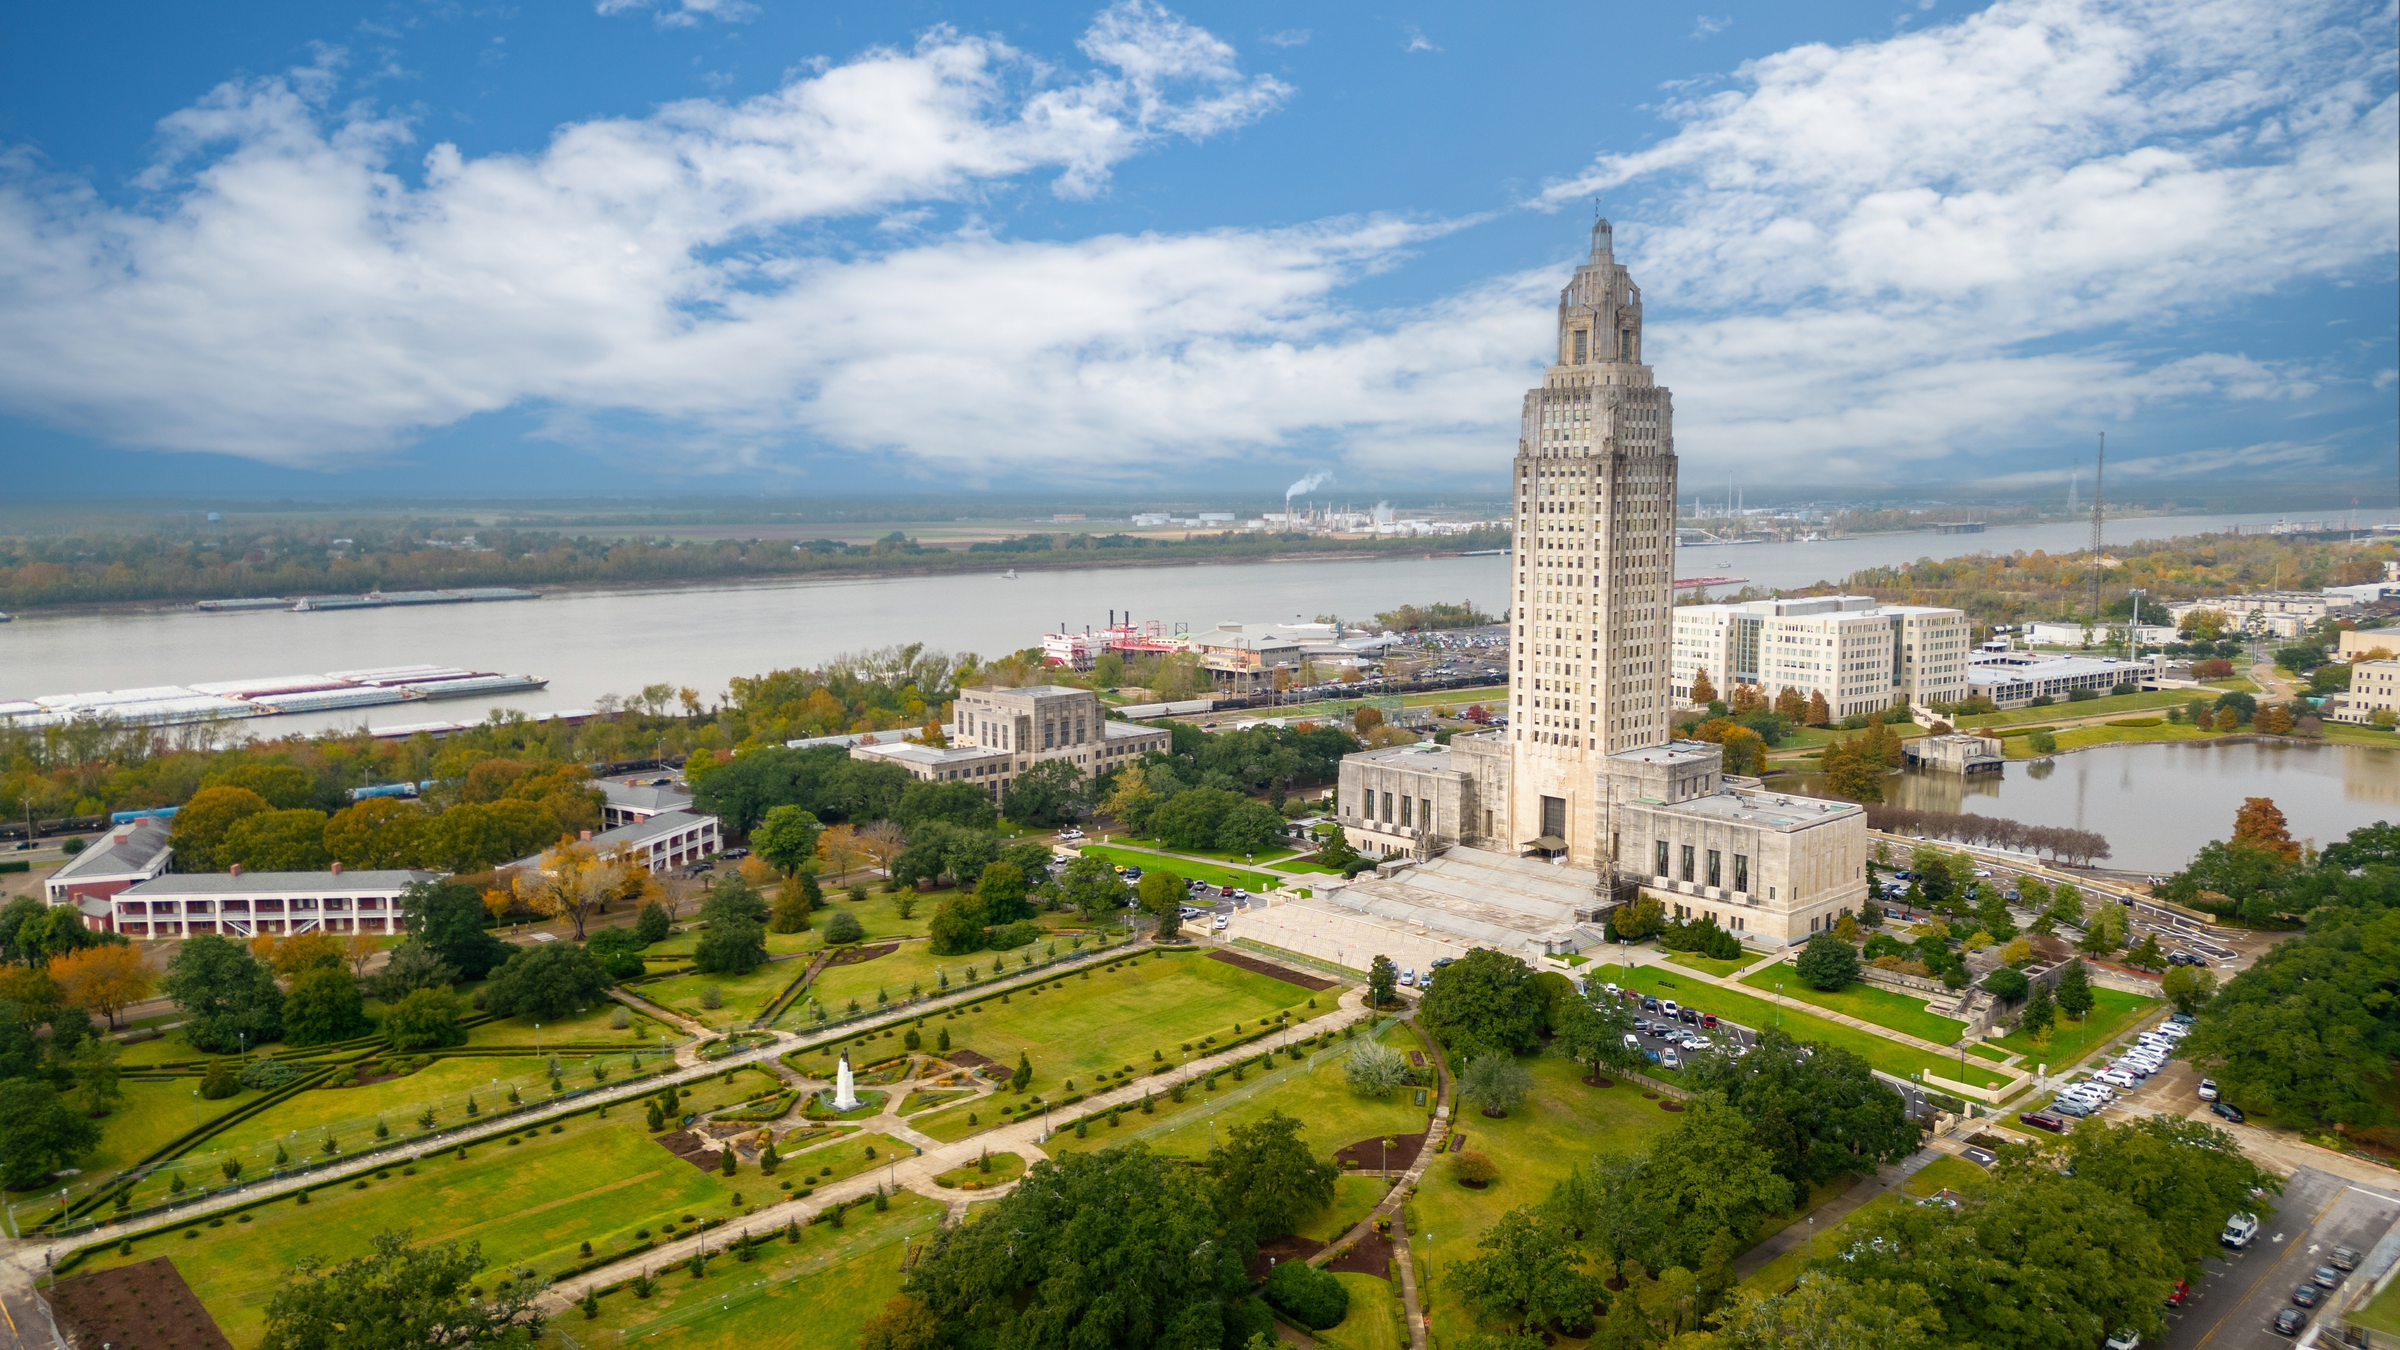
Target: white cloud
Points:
x,y
1894,250
1289,37
1708,26
684,13
1417,41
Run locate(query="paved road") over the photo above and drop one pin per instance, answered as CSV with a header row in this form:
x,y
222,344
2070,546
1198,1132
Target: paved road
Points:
x,y
2234,1302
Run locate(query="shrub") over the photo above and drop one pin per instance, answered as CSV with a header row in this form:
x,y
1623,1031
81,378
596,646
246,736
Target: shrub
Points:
x,y
265,1073
1307,1295
1474,1168
1827,962
844,927
712,997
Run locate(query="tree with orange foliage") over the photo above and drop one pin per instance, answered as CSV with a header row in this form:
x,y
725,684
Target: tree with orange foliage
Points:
x,y
2260,825
570,881
1702,690
102,980
841,850
1790,704
1748,698
1820,714
361,948
883,841
299,952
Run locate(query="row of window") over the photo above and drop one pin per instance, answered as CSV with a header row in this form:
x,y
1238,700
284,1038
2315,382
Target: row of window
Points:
x,y
1715,867
243,907
1416,811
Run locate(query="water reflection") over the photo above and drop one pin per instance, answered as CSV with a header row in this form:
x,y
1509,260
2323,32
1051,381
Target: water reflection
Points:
x,y
2157,804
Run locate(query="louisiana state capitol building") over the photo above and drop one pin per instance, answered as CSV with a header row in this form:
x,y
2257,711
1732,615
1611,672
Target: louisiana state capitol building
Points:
x,y
1584,798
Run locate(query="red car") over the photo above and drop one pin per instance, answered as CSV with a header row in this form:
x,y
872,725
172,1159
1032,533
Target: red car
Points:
x,y
2183,1290
2043,1120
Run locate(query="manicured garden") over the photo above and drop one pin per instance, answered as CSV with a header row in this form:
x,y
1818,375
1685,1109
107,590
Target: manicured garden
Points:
x,y
529,1203
1885,1054
740,998
1866,1002
1377,1319
2070,1041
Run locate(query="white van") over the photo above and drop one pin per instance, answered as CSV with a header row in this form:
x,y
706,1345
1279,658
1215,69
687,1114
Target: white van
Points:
x,y
1668,1007
2239,1230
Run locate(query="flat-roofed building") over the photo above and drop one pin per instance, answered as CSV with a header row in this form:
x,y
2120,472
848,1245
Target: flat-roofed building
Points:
x,y
2368,642
258,904
2016,679
1001,732
659,844
1860,656
2374,688
126,856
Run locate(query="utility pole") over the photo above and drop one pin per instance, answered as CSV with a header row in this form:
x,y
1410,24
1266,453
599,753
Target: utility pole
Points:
x,y
2099,471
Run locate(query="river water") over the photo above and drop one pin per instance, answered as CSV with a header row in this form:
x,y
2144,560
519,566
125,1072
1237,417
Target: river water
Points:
x,y
591,643
2157,804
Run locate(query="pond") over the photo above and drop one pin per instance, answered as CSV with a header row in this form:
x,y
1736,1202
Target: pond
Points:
x,y
2157,804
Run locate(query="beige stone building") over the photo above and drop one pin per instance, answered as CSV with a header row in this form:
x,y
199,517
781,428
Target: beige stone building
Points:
x,y
1001,732
1861,656
1584,777
2374,688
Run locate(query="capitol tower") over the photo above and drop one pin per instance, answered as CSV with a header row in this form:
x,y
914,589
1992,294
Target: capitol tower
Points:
x,y
1593,582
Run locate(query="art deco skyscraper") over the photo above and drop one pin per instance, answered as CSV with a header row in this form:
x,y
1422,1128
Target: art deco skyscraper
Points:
x,y
1595,552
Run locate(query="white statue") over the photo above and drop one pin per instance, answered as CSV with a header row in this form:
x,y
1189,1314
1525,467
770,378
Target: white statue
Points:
x,y
845,1094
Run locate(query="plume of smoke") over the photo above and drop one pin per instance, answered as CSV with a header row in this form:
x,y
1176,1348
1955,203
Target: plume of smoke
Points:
x,y
1309,484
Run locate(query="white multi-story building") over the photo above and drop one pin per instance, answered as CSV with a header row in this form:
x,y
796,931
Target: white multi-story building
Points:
x,y
2374,688
1000,733
1861,656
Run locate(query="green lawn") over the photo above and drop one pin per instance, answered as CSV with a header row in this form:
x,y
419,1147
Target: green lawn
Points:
x,y
1559,1128
1263,856
1353,1199
1093,1020
592,1026
1866,1002
2383,1313
2107,705
1982,1051
2069,1041
743,997
596,1181
1185,868
1314,1092
1784,1271
1710,965
826,1164
835,986
687,941
1887,1055
150,1116
815,1295
1377,1319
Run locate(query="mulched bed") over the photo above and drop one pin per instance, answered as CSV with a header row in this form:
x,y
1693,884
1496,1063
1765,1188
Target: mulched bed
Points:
x,y
968,1059
1416,1059
1311,983
697,1149
1599,1082
851,956
1372,1256
1289,1247
1369,1152
145,1305
1670,1104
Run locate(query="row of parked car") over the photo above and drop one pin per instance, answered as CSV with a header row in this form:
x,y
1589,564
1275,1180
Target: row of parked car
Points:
x,y
2149,1054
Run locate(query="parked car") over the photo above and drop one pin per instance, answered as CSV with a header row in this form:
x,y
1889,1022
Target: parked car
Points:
x,y
1668,1059
1708,1021
2182,1291
1219,925
1649,1004
2327,1276
2307,1295
2071,1107
2208,1089
2182,1019
1133,874
2290,1321
735,853
2228,1111
2123,1340
1632,1042
1642,1025
2117,1077
2043,1120
1613,991
2239,1229
1669,1007
2345,1258
1409,977
1651,1055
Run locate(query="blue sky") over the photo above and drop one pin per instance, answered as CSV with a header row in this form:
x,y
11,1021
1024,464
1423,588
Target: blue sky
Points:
x,y
714,246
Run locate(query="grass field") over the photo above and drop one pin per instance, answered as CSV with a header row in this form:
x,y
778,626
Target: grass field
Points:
x,y
2070,1041
597,1181
150,1116
2077,738
1559,1128
1866,1002
1377,1320
1315,1093
824,1165
2383,1313
1189,870
1263,857
1710,965
1095,1020
815,1295
590,1026
1784,1271
778,944
1982,1051
1353,1199
744,996
1887,1055
2113,705
914,963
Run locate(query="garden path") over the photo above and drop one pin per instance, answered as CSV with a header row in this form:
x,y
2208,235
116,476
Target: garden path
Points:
x,y
1445,1097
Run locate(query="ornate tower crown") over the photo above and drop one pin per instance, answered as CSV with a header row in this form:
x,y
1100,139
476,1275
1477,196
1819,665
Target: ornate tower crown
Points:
x,y
1600,310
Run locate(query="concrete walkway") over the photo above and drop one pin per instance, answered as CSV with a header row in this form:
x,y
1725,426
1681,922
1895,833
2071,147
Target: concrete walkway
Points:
x,y
1411,1301
1827,1216
1661,960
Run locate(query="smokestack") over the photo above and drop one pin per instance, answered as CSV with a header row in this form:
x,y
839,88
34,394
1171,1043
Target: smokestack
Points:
x,y
234,871
337,867
586,836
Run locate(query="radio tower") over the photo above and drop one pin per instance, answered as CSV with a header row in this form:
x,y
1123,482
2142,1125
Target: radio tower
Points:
x,y
2099,470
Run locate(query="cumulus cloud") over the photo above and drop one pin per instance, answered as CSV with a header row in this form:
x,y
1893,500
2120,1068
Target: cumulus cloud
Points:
x,y
1891,250
684,13
1856,259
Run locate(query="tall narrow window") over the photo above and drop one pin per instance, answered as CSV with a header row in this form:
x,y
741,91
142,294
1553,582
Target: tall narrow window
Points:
x,y
1408,810
1554,818
1687,862
1580,335
1716,868
1661,869
1741,872
1425,814
1387,808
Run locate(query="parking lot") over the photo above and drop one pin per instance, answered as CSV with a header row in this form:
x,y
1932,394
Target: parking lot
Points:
x,y
2233,1304
1725,1035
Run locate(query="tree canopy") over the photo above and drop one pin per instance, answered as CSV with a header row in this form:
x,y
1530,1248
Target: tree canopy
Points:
x,y
548,981
401,1297
228,997
1483,1001
1268,1176
1820,1115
